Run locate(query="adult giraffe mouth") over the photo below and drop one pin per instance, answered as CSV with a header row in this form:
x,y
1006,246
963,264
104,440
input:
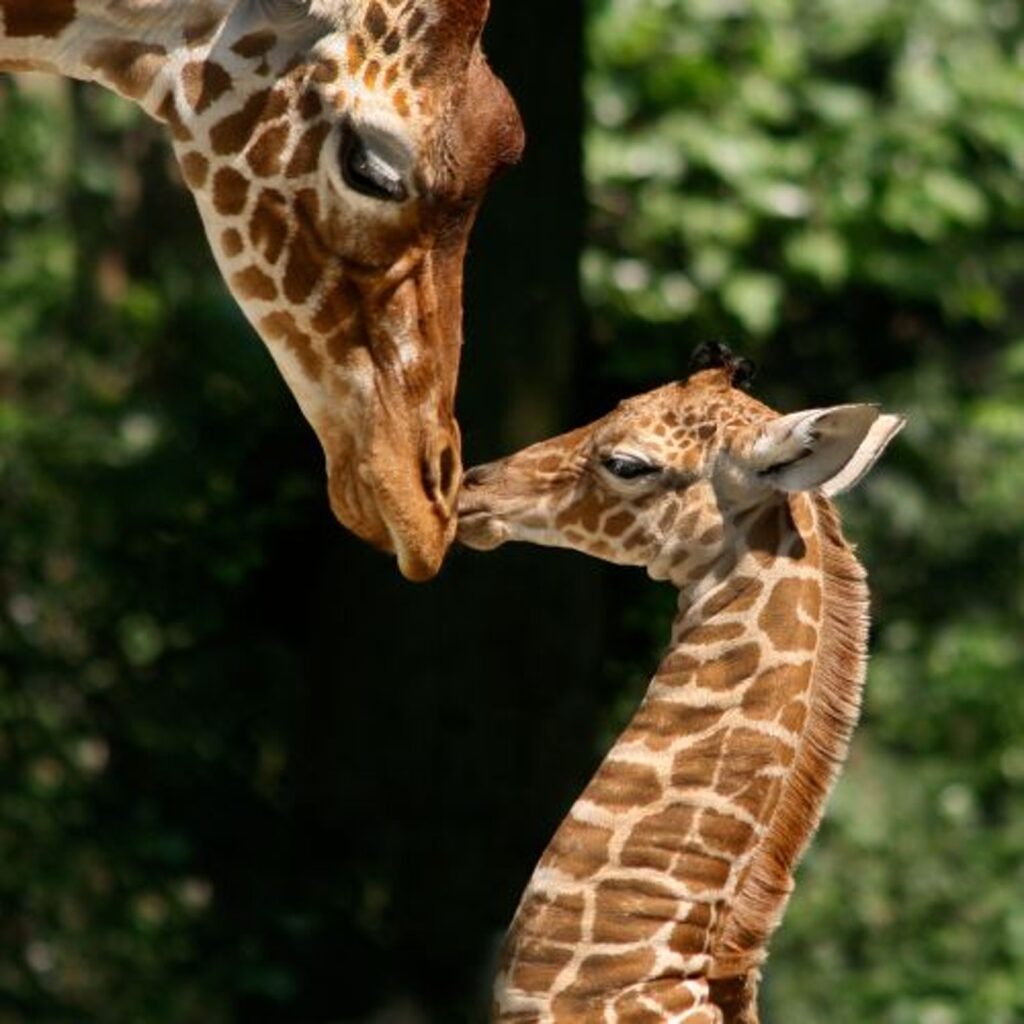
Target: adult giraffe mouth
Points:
x,y
398,505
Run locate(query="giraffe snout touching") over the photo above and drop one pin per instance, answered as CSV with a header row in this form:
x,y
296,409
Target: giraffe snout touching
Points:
x,y
480,524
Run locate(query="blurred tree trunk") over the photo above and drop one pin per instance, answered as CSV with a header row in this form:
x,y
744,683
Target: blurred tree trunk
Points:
x,y
447,726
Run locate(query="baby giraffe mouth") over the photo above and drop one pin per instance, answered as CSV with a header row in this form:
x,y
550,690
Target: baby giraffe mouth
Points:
x,y
479,527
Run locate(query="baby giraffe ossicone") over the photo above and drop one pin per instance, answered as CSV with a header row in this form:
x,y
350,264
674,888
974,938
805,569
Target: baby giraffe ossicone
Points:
x,y
656,899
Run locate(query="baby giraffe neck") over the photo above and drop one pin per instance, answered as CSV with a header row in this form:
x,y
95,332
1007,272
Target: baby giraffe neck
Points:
x,y
657,896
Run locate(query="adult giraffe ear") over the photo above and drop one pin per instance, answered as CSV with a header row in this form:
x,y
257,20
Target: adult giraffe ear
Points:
x,y
827,450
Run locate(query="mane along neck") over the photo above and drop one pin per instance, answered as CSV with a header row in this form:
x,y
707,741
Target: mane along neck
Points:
x,y
834,702
662,886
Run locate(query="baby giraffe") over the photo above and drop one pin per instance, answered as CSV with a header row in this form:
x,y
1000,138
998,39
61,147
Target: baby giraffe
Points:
x,y
657,896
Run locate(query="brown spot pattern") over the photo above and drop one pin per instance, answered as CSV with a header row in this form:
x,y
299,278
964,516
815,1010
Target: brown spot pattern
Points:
x,y
376,20
255,44
168,112
401,103
774,689
268,229
747,754
264,156
253,283
737,594
600,973
282,327
559,917
618,523
204,82
306,262
764,536
723,832
310,105
196,169
621,784
356,53
734,667
631,1008
780,619
202,30
306,156
338,306
715,633
631,911
657,839
43,18
233,133
230,191
231,242
538,964
130,68
578,849
701,870
695,767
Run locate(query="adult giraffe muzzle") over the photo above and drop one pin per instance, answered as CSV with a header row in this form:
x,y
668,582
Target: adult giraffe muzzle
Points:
x,y
338,151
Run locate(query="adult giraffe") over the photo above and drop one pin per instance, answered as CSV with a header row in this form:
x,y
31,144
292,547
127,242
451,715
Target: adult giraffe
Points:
x,y
657,897
338,151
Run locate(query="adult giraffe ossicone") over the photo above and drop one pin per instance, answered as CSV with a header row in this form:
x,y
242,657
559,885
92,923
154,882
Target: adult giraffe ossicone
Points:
x,y
338,151
657,896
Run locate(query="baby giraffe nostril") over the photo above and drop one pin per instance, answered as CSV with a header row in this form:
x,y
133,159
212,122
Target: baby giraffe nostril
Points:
x,y
479,475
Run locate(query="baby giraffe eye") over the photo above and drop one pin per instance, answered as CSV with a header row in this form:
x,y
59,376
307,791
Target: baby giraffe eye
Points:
x,y
629,467
368,172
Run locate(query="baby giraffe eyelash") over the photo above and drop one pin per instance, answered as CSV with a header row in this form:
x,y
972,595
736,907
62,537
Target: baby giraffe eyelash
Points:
x,y
629,467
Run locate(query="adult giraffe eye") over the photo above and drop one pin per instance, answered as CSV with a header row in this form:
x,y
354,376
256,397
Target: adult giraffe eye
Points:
x,y
629,467
369,172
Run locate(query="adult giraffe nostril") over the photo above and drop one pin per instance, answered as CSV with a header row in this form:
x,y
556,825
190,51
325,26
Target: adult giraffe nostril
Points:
x,y
441,478
448,477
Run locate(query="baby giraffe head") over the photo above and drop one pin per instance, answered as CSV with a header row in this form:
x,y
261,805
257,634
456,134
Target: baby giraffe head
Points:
x,y
666,479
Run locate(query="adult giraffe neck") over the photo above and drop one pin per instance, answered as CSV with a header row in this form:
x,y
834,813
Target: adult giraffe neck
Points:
x,y
125,47
658,894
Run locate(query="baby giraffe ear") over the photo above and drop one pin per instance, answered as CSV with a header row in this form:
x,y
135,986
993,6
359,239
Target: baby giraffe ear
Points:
x,y
827,450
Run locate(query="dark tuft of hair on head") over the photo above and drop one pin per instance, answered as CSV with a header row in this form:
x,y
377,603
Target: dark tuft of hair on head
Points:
x,y
713,355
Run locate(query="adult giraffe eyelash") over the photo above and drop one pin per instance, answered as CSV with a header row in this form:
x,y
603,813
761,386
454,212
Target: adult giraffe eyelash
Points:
x,y
368,172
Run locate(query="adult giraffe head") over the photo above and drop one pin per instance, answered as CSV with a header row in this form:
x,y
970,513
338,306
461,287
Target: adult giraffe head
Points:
x,y
338,151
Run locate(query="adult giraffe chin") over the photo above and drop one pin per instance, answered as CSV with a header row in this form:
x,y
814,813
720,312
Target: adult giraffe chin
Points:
x,y
338,151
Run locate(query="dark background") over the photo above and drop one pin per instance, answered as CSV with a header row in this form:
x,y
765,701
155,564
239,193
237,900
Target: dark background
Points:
x,y
249,774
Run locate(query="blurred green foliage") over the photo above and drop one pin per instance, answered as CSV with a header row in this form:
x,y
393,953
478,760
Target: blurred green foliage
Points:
x,y
196,677
120,466
841,186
